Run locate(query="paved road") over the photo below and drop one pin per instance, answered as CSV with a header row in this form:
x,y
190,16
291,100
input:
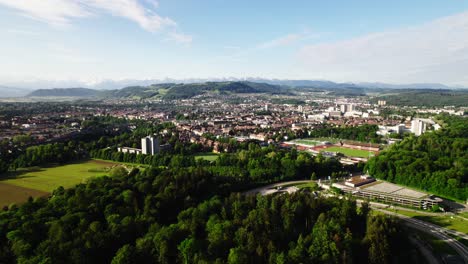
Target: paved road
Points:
x,y
265,189
425,251
435,230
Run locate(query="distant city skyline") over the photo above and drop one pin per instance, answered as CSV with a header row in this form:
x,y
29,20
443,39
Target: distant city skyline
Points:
x,y
91,41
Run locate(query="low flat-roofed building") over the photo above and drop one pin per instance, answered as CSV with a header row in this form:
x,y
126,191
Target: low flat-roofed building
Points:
x,y
357,181
129,150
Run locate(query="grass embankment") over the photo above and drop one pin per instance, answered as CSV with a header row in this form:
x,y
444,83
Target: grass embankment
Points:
x,y
438,246
311,185
448,221
307,142
317,140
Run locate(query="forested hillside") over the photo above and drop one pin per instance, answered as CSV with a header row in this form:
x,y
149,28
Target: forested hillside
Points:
x,y
425,97
186,215
436,161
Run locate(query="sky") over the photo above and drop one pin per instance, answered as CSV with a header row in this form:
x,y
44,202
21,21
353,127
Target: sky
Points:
x,y
398,41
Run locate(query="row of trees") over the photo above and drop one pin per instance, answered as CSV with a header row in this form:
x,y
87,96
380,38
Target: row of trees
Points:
x,y
364,133
435,161
254,164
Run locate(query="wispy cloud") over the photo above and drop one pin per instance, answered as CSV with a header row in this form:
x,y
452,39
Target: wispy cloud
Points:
x,y
180,37
237,54
281,41
62,13
433,52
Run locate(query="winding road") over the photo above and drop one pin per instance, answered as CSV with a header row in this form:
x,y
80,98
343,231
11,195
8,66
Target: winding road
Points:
x,y
429,228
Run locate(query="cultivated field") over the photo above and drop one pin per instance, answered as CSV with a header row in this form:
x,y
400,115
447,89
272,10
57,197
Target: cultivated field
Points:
x,y
14,194
350,152
39,181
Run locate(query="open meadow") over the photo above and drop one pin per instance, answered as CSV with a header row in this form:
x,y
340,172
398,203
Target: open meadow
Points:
x,y
39,181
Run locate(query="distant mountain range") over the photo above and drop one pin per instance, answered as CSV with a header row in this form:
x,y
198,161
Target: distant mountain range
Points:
x,y
25,88
164,91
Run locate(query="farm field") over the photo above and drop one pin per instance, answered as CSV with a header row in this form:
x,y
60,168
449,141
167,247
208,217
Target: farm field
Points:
x,y
206,156
10,194
46,179
350,152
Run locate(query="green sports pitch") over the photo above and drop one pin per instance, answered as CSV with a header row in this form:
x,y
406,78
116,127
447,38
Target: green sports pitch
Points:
x,y
350,152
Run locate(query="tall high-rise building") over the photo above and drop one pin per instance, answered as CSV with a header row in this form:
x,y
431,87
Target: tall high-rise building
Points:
x,y
347,108
149,145
418,127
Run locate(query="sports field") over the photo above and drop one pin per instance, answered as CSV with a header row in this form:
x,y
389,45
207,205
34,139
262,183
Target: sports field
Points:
x,y
350,152
38,181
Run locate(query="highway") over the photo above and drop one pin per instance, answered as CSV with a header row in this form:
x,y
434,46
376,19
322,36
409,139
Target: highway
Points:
x,y
435,230
429,228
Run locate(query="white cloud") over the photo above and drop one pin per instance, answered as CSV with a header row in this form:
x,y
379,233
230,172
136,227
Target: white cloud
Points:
x,y
433,52
61,13
54,12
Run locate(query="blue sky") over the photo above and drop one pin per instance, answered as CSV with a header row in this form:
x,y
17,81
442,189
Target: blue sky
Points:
x,y
358,41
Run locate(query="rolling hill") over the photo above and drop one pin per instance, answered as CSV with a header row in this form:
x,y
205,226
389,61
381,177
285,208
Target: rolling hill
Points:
x,y
64,92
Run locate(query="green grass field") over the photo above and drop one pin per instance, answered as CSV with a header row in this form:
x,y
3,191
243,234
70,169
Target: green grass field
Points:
x,y
311,185
447,221
350,152
47,179
206,156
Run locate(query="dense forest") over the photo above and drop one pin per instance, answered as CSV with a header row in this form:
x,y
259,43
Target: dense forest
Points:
x,y
192,215
435,161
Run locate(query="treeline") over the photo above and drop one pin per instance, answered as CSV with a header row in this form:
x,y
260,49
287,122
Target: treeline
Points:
x,y
426,97
436,162
49,153
254,165
187,215
364,133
